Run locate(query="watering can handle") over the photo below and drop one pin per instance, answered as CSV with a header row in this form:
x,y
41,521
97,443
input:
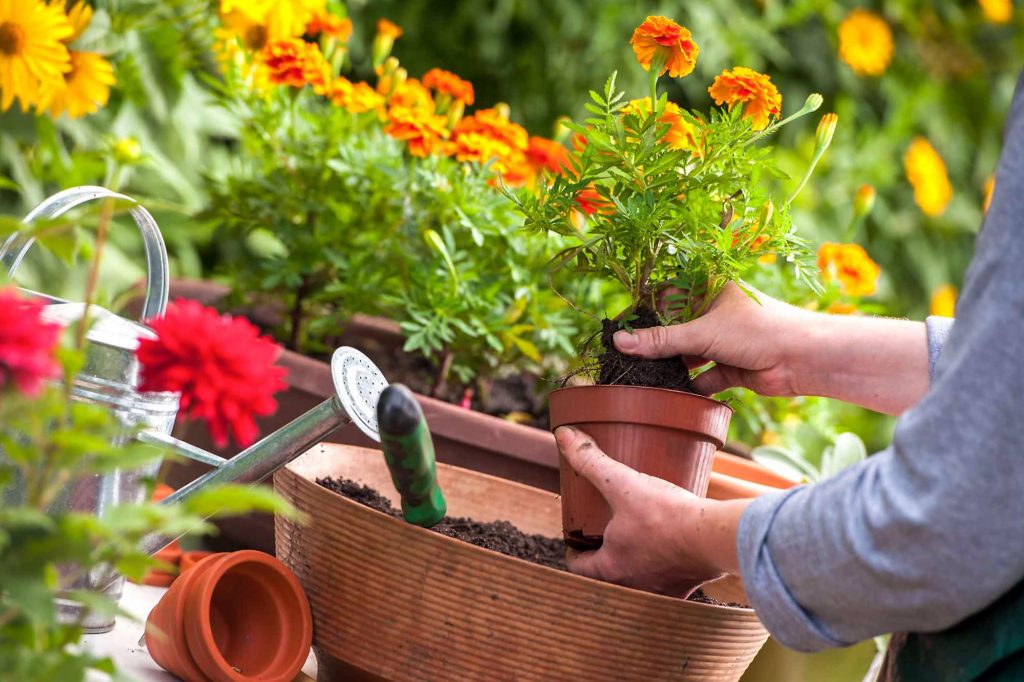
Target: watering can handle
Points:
x,y
17,245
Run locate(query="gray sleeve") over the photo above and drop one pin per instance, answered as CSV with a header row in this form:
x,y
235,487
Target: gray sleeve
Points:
x,y
927,532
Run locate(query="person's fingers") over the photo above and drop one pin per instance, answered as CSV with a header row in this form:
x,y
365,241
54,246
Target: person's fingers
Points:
x,y
587,460
717,379
690,338
587,564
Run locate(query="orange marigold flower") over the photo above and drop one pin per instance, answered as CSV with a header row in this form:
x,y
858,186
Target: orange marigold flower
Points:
x,y
591,202
754,91
388,29
997,11
494,124
850,265
680,135
990,187
944,301
408,93
547,155
339,28
865,43
357,98
665,43
926,172
422,130
294,62
446,82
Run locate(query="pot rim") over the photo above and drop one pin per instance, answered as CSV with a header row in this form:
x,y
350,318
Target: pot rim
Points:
x,y
483,552
217,568
651,389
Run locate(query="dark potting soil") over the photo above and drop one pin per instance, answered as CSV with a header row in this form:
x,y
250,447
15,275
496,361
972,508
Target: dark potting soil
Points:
x,y
499,536
618,369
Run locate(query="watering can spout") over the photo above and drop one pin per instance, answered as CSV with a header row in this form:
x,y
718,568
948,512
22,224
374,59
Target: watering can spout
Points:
x,y
357,385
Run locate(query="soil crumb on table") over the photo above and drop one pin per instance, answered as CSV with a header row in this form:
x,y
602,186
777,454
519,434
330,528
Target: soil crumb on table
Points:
x,y
499,536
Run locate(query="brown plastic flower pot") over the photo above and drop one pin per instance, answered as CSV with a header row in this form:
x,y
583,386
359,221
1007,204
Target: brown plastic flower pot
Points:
x,y
668,434
392,601
232,617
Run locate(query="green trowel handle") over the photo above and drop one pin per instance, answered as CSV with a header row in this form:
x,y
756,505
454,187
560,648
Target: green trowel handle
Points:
x,y
409,452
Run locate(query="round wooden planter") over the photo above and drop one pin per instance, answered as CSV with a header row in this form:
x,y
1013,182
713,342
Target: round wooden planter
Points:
x,y
394,601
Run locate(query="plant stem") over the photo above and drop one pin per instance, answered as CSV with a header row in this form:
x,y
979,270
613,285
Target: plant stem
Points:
x,y
106,213
296,314
442,373
807,176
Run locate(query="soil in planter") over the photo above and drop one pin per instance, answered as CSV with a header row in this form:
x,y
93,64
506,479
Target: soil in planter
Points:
x,y
618,369
498,536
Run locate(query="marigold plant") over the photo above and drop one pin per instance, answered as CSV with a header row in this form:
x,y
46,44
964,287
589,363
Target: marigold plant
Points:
x,y
865,42
671,198
926,172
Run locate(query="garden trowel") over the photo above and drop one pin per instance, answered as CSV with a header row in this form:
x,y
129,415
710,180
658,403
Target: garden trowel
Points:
x,y
409,452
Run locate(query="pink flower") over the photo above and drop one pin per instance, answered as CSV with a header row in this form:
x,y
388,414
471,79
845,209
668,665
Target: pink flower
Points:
x,y
220,364
27,343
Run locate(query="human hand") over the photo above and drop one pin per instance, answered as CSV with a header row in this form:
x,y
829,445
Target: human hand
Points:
x,y
749,340
661,538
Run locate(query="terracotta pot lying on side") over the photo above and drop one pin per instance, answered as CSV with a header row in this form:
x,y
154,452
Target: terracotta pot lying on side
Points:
x,y
392,601
230,618
735,478
668,434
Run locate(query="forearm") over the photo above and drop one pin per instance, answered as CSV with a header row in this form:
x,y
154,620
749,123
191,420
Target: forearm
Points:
x,y
878,363
713,535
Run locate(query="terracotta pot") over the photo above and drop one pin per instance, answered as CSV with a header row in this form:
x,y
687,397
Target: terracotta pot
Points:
x,y
668,434
734,478
398,602
190,559
233,617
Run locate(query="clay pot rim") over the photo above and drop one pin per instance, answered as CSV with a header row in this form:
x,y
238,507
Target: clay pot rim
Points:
x,y
216,566
183,586
603,387
483,552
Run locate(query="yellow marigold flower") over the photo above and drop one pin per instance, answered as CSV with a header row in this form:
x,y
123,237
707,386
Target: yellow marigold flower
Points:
x,y
850,265
447,83
666,44
864,200
32,51
358,98
754,91
80,16
997,11
865,43
294,63
339,28
944,301
841,308
926,172
389,29
681,134
990,187
83,90
422,130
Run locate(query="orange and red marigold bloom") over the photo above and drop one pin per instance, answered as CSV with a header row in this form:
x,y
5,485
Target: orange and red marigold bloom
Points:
x,y
754,91
591,202
681,134
547,155
666,44
447,83
849,265
339,28
357,98
422,130
294,63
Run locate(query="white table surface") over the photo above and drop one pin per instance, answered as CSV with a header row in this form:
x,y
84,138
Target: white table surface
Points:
x,y
122,643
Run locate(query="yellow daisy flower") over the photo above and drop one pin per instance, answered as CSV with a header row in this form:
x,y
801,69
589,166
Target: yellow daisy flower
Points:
x,y
31,51
80,15
865,43
83,90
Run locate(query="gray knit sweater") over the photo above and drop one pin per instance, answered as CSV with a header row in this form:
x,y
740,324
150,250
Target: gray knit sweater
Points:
x,y
931,530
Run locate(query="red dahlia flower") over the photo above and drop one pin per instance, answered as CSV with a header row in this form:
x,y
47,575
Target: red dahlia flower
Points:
x,y
27,343
220,364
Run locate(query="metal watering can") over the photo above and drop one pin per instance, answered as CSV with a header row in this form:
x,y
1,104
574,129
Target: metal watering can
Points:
x,y
110,378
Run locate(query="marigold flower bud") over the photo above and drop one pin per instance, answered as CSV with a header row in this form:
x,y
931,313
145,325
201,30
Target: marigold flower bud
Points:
x,y
813,102
826,129
863,200
127,151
